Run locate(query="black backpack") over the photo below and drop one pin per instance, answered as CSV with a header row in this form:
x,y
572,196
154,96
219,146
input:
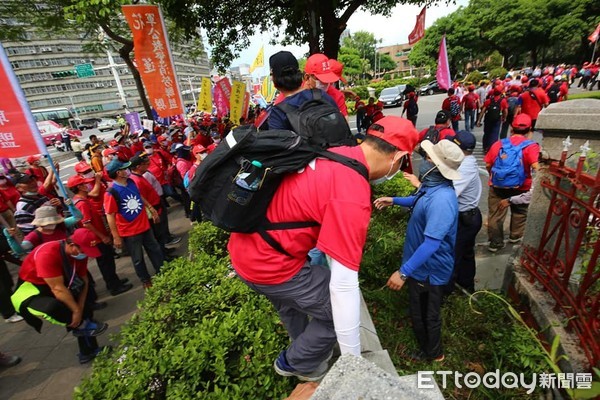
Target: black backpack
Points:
x,y
433,135
493,113
319,121
554,92
412,107
234,185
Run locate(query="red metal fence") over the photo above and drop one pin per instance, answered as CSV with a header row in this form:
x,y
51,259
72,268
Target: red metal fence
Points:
x,y
565,261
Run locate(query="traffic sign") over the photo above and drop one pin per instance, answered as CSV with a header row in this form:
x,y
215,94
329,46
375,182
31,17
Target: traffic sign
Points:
x,y
85,70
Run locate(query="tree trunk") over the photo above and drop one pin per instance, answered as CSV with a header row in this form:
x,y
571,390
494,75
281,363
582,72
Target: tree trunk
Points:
x,y
125,53
314,32
332,29
534,57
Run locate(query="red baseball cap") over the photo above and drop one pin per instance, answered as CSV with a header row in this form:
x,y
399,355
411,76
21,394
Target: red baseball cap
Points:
x,y
107,152
198,149
87,241
524,79
398,132
77,180
338,69
522,122
318,65
32,159
113,143
82,167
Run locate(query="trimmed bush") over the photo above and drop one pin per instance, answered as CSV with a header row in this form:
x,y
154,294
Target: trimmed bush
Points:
x,y
499,72
200,333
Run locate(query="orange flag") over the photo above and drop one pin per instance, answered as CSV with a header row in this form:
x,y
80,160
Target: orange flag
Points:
x,y
153,58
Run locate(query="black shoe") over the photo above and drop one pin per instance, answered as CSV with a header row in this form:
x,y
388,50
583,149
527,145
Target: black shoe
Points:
x,y
86,358
121,289
124,281
169,257
420,356
99,305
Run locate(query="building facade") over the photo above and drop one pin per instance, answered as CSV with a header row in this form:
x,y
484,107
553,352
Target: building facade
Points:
x,y
46,71
399,53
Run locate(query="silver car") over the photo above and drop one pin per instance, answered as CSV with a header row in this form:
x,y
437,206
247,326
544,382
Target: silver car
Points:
x,y
108,125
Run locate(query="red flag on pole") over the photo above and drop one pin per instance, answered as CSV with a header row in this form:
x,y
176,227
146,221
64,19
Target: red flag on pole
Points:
x,y
419,31
595,35
19,135
443,70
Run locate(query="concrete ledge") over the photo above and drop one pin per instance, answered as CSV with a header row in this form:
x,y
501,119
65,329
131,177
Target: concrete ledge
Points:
x,y
354,378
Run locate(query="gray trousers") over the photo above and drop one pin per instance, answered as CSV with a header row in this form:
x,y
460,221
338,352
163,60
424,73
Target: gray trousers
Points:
x,y
305,294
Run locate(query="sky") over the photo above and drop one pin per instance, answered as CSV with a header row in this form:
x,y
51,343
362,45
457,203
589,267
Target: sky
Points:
x,y
392,30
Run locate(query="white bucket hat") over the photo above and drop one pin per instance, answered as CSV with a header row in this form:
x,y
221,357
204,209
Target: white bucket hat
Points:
x,y
46,215
446,155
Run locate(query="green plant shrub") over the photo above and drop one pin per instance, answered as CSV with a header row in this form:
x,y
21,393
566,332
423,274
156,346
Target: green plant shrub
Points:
x,y
207,238
499,72
200,333
475,77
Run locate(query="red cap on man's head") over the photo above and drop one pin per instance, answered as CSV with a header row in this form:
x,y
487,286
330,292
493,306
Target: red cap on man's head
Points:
x,y
82,167
77,180
87,241
108,152
318,65
338,69
32,159
399,132
521,122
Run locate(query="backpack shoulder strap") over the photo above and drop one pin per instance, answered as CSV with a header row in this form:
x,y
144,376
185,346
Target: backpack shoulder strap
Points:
x,y
347,161
317,94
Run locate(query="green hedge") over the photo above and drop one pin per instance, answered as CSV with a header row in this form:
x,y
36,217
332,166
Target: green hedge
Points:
x,y
199,333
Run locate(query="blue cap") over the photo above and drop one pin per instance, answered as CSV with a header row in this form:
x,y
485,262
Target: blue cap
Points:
x,y
116,165
465,140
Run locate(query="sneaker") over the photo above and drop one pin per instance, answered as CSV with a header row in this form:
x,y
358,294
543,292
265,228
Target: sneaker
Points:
x,y
173,241
90,328
420,356
86,358
14,318
99,305
121,289
7,361
514,240
284,369
493,247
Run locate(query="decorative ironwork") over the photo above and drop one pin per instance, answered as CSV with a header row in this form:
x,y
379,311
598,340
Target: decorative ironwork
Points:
x,y
565,261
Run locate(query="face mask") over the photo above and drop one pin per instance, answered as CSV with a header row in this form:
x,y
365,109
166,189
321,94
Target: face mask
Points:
x,y
203,156
387,176
430,175
49,227
31,193
3,181
127,173
321,85
88,174
149,150
80,256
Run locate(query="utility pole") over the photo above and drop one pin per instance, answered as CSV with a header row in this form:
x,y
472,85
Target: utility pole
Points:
x,y
189,80
113,68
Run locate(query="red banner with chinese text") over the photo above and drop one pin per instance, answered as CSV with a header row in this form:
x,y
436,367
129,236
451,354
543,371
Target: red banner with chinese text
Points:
x,y
19,135
419,30
153,58
221,96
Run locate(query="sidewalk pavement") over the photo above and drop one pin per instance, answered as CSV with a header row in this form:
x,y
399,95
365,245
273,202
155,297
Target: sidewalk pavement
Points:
x,y
50,369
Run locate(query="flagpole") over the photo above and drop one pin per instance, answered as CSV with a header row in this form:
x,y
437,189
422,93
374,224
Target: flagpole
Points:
x,y
594,51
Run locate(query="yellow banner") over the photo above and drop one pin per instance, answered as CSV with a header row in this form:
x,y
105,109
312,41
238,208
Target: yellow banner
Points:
x,y
205,100
259,61
236,101
267,89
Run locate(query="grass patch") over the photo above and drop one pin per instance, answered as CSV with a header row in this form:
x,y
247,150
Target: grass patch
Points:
x,y
585,95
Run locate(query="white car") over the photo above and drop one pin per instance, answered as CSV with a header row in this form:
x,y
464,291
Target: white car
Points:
x,y
108,125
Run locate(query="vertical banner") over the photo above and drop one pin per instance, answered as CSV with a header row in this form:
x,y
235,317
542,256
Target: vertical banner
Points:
x,y
153,58
205,100
135,123
222,94
236,101
246,106
268,89
19,135
595,35
419,30
443,69
259,61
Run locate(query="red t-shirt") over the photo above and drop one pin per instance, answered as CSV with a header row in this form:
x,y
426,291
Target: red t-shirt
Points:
x,y
36,237
90,214
158,166
470,101
530,156
531,106
444,132
11,193
327,192
146,189
339,99
46,261
127,228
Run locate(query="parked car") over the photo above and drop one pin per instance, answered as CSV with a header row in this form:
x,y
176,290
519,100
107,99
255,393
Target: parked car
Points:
x,y
108,125
391,97
89,123
431,88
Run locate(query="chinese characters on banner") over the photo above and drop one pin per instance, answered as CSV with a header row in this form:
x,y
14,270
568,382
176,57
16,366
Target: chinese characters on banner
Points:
x,y
222,94
246,106
205,100
19,135
236,101
135,123
419,30
153,57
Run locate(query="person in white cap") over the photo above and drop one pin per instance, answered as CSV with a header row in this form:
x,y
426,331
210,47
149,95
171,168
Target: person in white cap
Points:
x,y
428,257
